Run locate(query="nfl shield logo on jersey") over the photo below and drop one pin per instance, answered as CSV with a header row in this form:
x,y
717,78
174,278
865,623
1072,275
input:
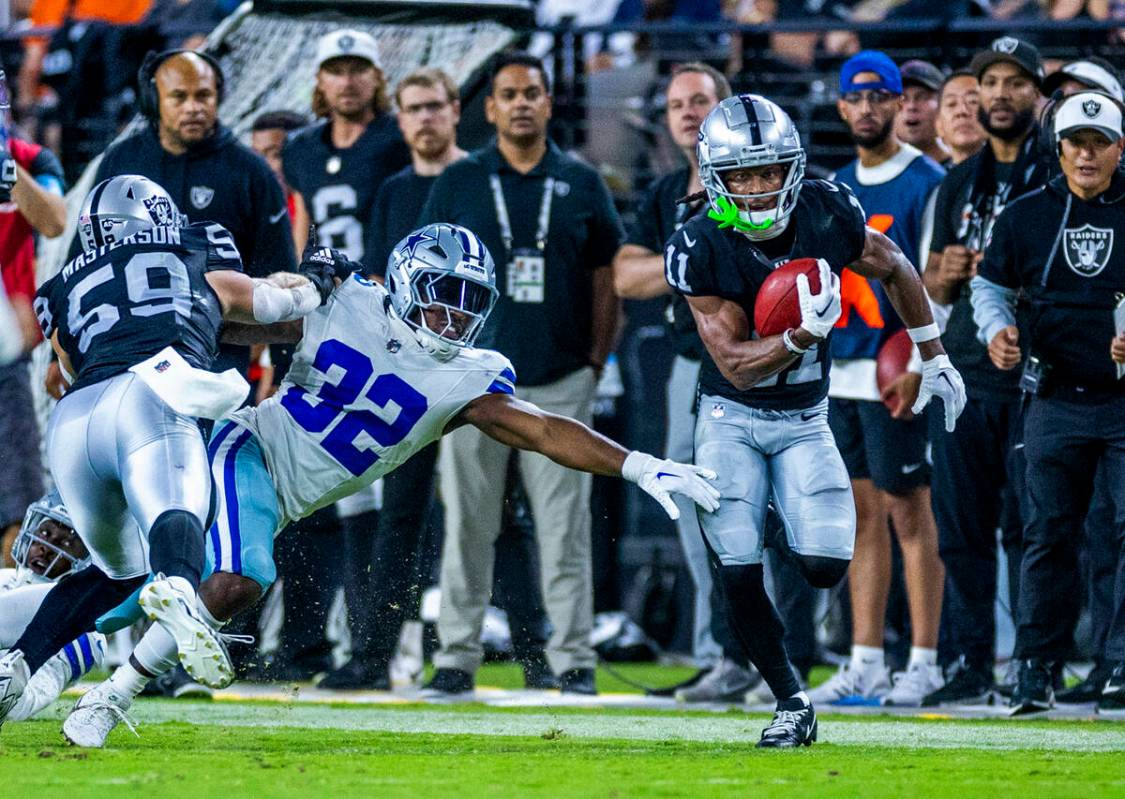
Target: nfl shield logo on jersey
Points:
x,y
1087,249
201,196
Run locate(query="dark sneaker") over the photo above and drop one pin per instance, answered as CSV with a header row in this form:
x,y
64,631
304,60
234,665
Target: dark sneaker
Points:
x,y
357,676
449,682
537,676
794,724
578,681
1089,690
1114,688
178,684
1034,689
966,685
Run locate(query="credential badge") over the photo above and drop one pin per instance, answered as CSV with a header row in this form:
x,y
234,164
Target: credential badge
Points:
x,y
1087,249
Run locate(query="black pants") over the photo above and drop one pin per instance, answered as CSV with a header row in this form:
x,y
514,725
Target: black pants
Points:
x,y
1067,438
977,480
1101,563
308,558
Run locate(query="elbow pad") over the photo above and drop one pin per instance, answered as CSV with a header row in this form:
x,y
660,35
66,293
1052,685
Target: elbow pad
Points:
x,y
273,304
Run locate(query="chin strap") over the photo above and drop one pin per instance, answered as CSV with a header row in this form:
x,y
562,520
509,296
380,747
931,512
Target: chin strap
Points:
x,y
727,216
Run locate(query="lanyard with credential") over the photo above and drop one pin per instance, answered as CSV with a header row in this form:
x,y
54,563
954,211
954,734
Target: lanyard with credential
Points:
x,y
506,222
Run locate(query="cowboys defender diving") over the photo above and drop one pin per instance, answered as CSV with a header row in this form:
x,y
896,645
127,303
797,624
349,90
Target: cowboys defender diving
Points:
x,y
762,422
378,375
135,320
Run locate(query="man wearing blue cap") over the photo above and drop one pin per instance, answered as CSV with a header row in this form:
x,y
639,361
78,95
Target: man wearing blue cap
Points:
x,y
883,446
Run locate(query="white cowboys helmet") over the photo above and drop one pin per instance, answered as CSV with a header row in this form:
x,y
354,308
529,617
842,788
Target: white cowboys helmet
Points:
x,y
49,506
743,131
442,268
124,205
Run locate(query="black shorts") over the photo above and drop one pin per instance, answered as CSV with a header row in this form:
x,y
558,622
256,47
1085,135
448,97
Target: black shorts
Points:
x,y
890,452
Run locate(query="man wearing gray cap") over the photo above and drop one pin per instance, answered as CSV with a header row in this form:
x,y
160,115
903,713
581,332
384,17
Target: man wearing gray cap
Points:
x,y
916,123
1087,73
1060,248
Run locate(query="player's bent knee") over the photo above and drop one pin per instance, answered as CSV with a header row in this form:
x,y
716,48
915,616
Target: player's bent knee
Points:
x,y
821,572
225,595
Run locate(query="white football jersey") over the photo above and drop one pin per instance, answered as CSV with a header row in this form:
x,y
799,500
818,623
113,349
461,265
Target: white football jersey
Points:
x,y
361,397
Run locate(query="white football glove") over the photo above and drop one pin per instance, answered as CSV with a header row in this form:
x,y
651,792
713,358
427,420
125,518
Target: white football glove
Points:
x,y
940,379
661,478
819,312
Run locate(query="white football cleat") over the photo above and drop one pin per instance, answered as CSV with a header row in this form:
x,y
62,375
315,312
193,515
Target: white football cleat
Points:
x,y
94,716
850,686
201,649
14,675
914,685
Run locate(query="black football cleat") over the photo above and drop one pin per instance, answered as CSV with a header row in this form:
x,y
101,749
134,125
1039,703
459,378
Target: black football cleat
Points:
x,y
794,724
448,683
1089,690
1114,688
578,681
1035,691
537,675
356,675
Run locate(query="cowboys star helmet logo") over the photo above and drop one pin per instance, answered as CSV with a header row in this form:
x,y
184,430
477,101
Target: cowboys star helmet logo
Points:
x,y
201,196
1087,249
1091,108
345,42
160,210
1006,44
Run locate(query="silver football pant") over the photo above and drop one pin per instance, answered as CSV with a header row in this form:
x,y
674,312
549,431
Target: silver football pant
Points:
x,y
117,450
789,455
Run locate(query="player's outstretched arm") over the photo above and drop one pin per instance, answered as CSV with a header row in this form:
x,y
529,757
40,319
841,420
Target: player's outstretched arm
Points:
x,y
281,297
882,260
744,361
572,444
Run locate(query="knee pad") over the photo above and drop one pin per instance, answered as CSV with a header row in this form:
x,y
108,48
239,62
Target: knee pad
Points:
x,y
822,572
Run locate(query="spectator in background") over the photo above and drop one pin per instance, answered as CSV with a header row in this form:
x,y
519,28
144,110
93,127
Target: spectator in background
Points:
x,y
186,23
36,207
552,228
267,138
883,445
916,124
978,472
638,274
387,581
957,122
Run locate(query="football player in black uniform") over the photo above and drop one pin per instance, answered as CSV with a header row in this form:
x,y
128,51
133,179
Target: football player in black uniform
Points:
x,y
135,319
763,414
337,165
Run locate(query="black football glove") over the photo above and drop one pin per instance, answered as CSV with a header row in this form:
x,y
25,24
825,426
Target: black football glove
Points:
x,y
321,265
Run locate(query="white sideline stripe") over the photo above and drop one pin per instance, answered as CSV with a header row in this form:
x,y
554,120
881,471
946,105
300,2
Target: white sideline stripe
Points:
x,y
694,727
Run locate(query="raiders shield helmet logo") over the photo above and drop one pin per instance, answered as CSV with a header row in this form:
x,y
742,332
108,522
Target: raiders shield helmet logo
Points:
x,y
1006,44
1087,249
201,196
160,210
345,43
1091,108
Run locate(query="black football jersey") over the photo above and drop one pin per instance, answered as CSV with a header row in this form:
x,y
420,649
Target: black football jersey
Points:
x,y
117,305
339,185
702,260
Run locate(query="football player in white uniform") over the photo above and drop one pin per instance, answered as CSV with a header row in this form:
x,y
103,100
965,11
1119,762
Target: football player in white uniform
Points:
x,y
46,549
378,374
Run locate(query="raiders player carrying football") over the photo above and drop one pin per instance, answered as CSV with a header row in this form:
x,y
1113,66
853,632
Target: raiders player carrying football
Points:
x,y
762,420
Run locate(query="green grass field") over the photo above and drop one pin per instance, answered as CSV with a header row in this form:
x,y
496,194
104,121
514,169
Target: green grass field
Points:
x,y
234,749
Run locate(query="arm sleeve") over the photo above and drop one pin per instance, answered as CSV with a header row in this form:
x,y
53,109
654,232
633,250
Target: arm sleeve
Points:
x,y
222,252
44,311
606,231
273,236
996,284
505,380
854,233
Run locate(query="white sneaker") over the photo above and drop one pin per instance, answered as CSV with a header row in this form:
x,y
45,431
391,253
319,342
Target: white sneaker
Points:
x,y
94,716
14,675
849,686
725,682
47,684
913,685
201,649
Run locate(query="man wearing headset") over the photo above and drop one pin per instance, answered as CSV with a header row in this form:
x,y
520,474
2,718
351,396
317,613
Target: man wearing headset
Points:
x,y
210,175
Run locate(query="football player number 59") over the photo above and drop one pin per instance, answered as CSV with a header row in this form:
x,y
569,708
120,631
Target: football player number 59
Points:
x,y
328,410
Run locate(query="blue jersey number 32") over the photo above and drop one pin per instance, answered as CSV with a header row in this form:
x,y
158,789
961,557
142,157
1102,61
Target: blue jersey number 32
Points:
x,y
327,410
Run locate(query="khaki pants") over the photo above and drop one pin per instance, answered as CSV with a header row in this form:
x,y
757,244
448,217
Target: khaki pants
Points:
x,y
472,486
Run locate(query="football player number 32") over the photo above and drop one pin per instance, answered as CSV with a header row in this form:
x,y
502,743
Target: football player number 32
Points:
x,y
328,411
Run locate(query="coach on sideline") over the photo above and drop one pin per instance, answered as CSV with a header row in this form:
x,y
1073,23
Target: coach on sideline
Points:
x,y
211,176
1060,248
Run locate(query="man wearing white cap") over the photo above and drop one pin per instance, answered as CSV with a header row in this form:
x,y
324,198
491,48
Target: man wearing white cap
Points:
x,y
1086,73
1061,248
335,168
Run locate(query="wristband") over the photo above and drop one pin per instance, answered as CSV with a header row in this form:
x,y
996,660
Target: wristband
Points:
x,y
924,333
790,344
